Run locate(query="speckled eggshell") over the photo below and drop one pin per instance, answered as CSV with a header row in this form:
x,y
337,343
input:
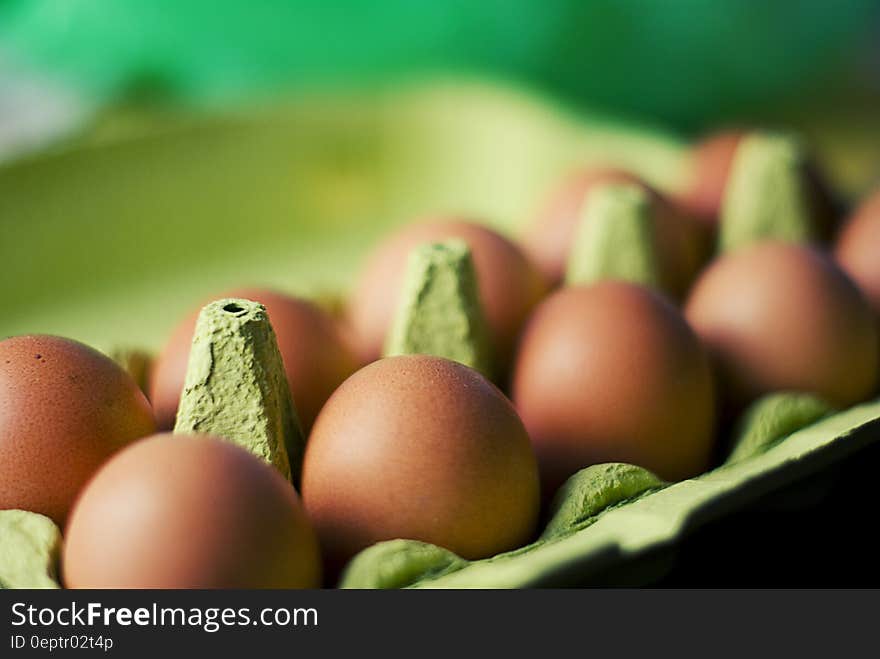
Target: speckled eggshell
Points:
x,y
611,372
189,511
422,448
780,316
64,409
509,284
858,248
316,357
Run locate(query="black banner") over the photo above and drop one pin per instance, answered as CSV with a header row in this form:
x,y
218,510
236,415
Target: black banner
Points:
x,y
607,623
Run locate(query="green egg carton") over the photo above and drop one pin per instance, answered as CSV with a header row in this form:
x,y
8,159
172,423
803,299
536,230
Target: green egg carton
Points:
x,y
113,236
618,524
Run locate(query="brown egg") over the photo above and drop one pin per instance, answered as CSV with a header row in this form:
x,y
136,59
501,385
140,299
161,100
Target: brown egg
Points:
x,y
189,511
780,316
315,355
710,164
611,372
549,238
64,409
424,448
858,248
509,284
708,169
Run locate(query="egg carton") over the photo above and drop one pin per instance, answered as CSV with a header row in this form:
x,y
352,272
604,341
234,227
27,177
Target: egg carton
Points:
x,y
289,198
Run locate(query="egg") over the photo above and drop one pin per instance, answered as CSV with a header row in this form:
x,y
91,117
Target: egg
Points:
x,y
189,511
423,448
708,167
710,162
316,356
858,248
779,316
549,238
509,285
64,409
611,372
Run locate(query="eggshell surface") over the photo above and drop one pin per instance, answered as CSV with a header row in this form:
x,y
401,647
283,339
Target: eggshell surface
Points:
x,y
551,233
509,285
189,511
64,409
611,372
708,170
780,316
422,448
858,249
549,239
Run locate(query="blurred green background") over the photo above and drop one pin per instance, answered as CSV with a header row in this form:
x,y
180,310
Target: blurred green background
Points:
x,y
686,63
157,152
